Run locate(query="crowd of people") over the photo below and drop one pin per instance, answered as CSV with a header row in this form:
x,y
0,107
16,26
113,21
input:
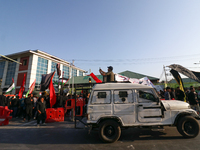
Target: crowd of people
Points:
x,y
191,95
33,107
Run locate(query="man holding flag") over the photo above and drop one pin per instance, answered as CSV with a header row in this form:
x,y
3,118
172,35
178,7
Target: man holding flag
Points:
x,y
46,82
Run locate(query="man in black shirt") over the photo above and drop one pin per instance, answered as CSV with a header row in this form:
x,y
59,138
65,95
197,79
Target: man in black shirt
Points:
x,y
193,100
29,106
15,105
3,99
41,109
179,94
108,76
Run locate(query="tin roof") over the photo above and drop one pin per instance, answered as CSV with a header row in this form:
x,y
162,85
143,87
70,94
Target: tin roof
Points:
x,y
119,86
131,74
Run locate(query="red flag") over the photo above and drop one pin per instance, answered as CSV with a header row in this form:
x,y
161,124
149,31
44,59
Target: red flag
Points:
x,y
95,78
32,87
22,87
52,92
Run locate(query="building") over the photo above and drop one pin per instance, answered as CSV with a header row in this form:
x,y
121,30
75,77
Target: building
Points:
x,y
34,64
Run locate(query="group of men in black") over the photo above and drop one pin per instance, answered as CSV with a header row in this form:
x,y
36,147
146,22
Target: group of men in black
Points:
x,y
33,107
28,107
191,96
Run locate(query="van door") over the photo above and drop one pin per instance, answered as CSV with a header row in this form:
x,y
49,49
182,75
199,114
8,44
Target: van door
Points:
x,y
148,109
100,104
124,106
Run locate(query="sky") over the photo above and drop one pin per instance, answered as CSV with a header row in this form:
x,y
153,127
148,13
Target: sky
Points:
x,y
139,36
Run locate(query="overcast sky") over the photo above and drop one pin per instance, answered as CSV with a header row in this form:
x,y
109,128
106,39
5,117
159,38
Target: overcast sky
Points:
x,y
140,36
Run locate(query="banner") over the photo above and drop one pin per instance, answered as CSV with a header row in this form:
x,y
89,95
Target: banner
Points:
x,y
121,78
31,88
11,87
45,81
21,90
143,81
146,81
190,74
58,69
178,79
52,94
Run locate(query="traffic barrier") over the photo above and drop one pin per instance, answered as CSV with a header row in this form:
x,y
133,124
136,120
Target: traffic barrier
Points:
x,y
54,115
70,104
164,99
5,115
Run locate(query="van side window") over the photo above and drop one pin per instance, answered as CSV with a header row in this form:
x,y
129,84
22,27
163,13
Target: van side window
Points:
x,y
146,96
101,94
101,97
123,96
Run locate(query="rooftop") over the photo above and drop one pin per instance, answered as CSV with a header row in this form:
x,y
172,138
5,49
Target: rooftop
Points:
x,y
120,86
131,74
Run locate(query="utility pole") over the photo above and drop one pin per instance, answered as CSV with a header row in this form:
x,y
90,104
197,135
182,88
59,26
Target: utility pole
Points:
x,y
165,76
72,77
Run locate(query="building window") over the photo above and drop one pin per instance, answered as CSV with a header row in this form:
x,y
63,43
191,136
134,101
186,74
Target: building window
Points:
x,y
74,72
10,72
2,65
42,66
53,68
80,73
24,63
66,72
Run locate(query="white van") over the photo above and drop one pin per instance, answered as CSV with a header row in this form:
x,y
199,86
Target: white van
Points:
x,y
113,106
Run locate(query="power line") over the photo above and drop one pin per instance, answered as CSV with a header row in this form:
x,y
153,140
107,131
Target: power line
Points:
x,y
141,59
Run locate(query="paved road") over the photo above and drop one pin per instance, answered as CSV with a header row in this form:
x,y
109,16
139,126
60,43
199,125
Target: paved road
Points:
x,y
25,135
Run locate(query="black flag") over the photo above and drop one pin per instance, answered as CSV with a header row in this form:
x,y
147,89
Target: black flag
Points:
x,y
190,74
46,78
178,79
58,69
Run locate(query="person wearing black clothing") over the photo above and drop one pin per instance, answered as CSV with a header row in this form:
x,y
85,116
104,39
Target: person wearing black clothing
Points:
x,y
64,99
3,100
41,109
8,102
179,94
193,100
29,106
108,76
172,93
15,105
47,100
58,99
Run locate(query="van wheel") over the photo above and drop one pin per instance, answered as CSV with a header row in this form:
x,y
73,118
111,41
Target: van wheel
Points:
x,y
109,131
188,127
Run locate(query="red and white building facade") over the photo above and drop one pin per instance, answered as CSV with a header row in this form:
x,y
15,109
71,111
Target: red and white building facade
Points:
x,y
34,63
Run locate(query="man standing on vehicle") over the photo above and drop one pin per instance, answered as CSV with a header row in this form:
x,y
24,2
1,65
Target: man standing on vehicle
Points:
x,y
108,76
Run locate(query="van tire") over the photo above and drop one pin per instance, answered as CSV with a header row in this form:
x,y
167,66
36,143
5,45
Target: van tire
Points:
x,y
188,127
109,131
